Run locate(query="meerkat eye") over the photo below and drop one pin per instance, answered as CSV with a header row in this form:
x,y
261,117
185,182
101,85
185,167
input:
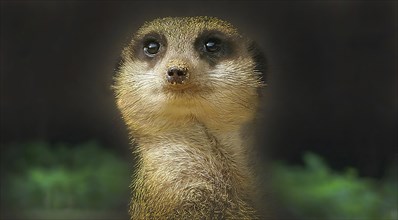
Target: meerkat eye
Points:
x,y
151,48
212,45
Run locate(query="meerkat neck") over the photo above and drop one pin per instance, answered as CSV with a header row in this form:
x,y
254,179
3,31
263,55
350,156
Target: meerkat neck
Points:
x,y
194,172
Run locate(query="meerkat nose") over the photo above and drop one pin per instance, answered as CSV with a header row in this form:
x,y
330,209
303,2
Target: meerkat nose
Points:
x,y
176,75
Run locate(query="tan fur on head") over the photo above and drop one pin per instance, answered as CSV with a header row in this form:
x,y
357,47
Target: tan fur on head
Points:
x,y
187,123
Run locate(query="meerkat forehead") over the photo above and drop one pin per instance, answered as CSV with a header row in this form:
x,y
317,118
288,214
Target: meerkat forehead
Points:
x,y
187,26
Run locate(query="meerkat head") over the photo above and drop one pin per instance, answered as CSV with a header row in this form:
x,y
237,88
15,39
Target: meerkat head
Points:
x,y
177,70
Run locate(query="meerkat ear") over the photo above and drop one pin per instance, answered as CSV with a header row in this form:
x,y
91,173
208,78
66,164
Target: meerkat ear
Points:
x,y
260,60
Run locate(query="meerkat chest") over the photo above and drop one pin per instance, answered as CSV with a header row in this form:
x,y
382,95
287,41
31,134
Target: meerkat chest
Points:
x,y
190,173
194,159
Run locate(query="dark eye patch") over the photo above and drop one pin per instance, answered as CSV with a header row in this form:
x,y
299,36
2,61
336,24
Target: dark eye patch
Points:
x,y
213,46
150,47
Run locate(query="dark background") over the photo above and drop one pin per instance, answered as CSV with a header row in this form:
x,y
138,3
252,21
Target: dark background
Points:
x,y
332,73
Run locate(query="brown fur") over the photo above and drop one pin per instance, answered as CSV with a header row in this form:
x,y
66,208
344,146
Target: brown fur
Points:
x,y
193,159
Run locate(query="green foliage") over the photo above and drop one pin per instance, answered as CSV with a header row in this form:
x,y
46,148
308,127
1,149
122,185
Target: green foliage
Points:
x,y
316,192
85,176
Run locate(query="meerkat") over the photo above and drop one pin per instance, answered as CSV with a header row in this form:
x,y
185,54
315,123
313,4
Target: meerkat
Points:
x,y
186,87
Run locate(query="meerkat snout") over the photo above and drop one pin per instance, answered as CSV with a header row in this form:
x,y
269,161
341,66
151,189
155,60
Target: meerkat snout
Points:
x,y
177,72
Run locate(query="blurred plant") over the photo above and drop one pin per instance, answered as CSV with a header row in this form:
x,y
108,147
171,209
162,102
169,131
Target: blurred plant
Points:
x,y
85,176
316,192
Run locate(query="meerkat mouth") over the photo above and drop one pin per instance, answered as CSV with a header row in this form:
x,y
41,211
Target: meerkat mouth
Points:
x,y
180,89
186,91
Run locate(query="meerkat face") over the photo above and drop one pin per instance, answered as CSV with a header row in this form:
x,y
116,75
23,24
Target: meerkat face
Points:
x,y
195,67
